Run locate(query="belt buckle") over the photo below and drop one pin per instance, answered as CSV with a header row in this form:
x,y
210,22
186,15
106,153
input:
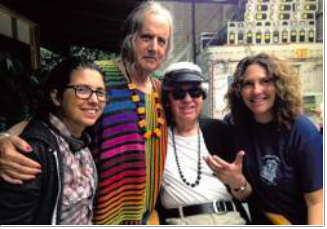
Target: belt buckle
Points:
x,y
181,212
217,207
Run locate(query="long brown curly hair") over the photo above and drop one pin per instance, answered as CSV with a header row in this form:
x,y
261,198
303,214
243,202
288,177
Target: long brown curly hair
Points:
x,y
288,103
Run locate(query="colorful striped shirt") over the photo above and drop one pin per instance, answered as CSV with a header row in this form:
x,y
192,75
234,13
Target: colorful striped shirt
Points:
x,y
130,168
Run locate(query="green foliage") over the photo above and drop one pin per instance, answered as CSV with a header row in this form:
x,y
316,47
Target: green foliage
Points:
x,y
49,59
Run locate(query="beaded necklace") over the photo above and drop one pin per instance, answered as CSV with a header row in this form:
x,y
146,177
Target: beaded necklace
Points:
x,y
198,178
140,110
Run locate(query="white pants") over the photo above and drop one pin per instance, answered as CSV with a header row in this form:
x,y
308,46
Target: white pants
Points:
x,y
229,218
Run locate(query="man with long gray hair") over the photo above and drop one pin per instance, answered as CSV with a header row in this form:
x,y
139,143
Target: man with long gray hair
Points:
x,y
129,142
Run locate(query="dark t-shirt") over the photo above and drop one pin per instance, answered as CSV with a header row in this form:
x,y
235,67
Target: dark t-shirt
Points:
x,y
281,166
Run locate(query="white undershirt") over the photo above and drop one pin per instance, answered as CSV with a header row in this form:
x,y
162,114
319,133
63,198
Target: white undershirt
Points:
x,y
175,192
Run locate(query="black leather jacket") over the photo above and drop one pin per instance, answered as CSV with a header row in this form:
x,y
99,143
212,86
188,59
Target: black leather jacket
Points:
x,y
36,201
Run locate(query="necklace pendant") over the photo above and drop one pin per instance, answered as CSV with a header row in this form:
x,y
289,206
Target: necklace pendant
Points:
x,y
156,95
141,110
142,123
161,121
131,86
135,98
157,132
147,134
159,106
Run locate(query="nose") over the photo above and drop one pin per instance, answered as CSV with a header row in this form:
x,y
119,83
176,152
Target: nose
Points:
x,y
187,97
257,88
93,98
153,45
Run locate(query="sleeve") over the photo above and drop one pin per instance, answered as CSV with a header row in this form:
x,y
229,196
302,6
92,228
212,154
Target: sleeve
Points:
x,y
308,148
19,203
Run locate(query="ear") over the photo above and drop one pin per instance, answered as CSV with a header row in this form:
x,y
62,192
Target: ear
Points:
x,y
204,96
205,88
54,97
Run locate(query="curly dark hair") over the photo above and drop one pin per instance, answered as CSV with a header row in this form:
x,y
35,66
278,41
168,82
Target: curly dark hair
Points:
x,y
288,103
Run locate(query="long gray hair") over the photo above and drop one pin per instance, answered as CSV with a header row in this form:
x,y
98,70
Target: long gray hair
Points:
x,y
135,24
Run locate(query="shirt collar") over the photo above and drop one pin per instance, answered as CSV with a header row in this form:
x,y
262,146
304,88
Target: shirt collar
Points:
x,y
75,144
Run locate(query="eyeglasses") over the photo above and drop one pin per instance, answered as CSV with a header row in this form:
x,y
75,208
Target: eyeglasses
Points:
x,y
85,92
264,82
179,94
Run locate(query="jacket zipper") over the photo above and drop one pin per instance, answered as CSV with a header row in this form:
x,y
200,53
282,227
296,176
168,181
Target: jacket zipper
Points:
x,y
54,216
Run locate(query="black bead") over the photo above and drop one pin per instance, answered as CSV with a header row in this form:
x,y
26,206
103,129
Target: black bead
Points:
x,y
197,182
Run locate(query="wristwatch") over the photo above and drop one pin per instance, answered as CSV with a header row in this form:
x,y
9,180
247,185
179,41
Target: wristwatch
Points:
x,y
241,188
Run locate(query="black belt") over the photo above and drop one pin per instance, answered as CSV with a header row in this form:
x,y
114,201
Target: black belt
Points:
x,y
218,207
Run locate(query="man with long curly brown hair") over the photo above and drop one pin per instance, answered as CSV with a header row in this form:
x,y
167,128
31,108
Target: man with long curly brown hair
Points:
x,y
283,161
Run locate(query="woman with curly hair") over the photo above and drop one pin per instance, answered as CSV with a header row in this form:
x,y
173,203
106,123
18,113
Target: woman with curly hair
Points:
x,y
282,170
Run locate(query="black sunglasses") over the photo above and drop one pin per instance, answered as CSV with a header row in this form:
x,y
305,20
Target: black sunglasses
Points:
x,y
179,94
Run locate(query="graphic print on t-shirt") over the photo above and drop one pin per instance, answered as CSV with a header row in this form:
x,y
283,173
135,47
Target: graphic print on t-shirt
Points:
x,y
270,169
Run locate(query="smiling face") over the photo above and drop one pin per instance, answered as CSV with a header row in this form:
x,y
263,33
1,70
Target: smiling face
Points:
x,y
78,113
259,93
150,44
186,110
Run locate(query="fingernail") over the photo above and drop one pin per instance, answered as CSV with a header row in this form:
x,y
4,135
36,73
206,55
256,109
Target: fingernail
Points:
x,y
39,169
28,148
